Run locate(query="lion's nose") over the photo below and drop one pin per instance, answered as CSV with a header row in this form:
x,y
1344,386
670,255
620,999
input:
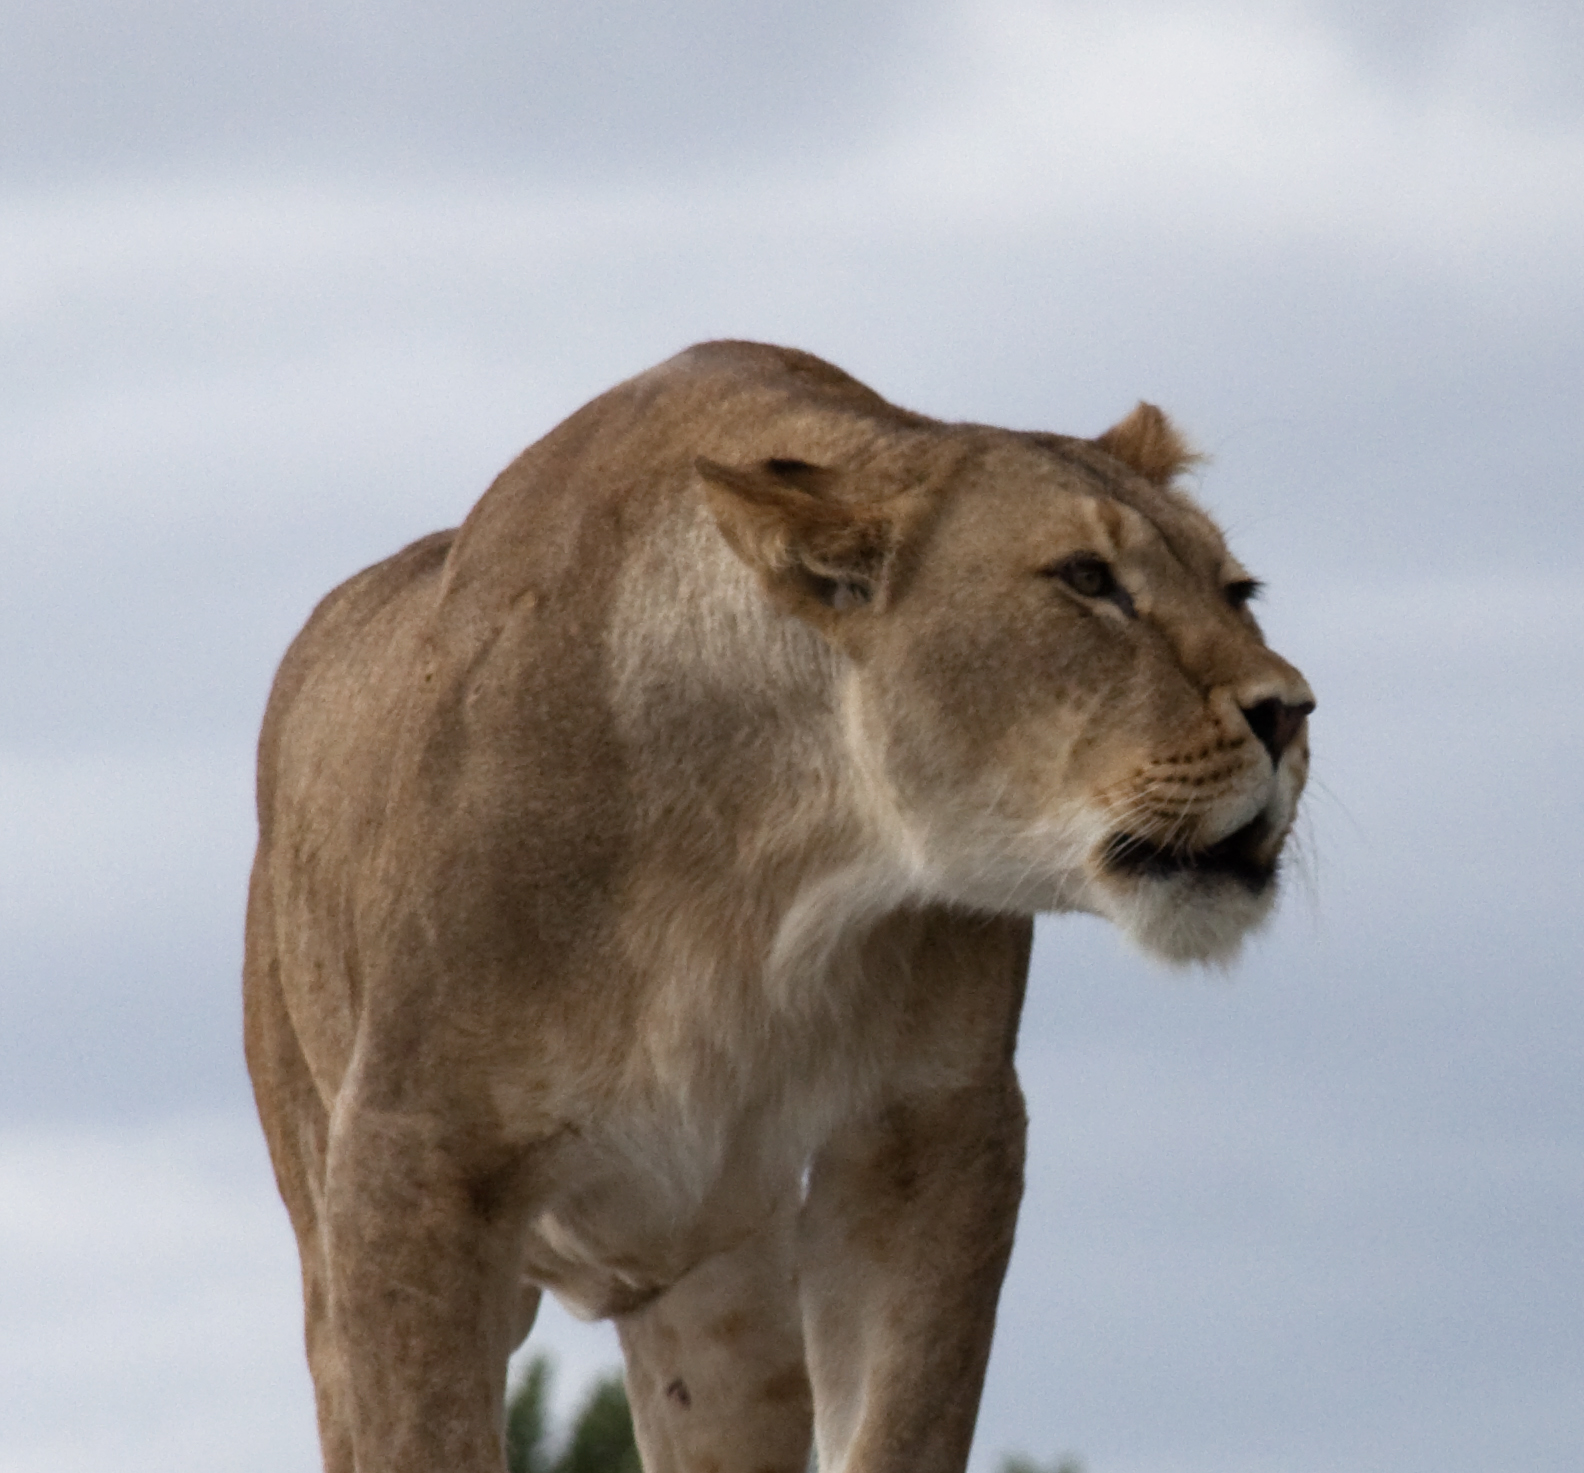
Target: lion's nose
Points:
x,y
1276,723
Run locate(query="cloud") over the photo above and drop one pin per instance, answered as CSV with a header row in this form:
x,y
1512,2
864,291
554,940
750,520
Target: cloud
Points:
x,y
554,91
1252,1203
1254,127
148,1313
1392,133
122,882
1521,58
284,288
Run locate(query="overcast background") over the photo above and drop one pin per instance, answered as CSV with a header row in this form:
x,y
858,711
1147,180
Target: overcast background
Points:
x,y
283,287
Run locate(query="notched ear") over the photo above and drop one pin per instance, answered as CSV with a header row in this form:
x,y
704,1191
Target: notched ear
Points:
x,y
1149,443
816,555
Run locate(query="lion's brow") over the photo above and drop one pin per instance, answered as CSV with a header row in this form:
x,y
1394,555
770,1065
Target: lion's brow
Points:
x,y
1117,490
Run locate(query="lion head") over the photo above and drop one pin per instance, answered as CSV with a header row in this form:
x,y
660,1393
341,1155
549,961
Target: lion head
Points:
x,y
1054,686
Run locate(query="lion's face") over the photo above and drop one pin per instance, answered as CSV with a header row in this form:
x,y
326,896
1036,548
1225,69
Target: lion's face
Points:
x,y
1074,708
1059,698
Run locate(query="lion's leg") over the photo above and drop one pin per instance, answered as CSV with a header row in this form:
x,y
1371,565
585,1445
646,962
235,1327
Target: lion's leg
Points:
x,y
426,1300
296,1129
905,1237
715,1368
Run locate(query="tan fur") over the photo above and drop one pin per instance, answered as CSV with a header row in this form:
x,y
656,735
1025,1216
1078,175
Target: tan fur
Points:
x,y
1147,442
641,909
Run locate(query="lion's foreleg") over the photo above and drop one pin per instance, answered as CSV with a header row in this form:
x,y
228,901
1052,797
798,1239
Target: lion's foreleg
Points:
x,y
425,1300
905,1238
297,1130
715,1367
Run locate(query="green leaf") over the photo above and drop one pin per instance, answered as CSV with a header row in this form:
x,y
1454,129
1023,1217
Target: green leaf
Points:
x,y
1021,1463
602,1438
527,1421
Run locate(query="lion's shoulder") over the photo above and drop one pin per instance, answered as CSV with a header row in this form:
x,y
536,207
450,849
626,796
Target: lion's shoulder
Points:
x,y
796,372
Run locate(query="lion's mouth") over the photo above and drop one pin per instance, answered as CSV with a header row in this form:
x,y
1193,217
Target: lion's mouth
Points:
x,y
1240,857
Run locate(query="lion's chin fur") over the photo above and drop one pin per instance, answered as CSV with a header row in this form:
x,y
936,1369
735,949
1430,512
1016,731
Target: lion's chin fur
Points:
x,y
1190,919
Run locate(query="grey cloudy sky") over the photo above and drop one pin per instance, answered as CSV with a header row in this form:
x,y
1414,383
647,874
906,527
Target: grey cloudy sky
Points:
x,y
282,288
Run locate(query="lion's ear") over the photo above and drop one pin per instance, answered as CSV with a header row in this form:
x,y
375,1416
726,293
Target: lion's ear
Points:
x,y
818,557
1149,443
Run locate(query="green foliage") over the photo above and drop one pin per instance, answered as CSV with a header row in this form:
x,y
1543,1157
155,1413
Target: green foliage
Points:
x,y
601,1439
527,1421
1017,1463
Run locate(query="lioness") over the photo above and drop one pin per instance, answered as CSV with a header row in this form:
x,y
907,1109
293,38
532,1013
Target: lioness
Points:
x,y
643,893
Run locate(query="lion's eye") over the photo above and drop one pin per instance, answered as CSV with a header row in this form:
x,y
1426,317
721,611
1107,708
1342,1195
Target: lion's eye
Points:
x,y
1091,576
1239,593
1088,575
